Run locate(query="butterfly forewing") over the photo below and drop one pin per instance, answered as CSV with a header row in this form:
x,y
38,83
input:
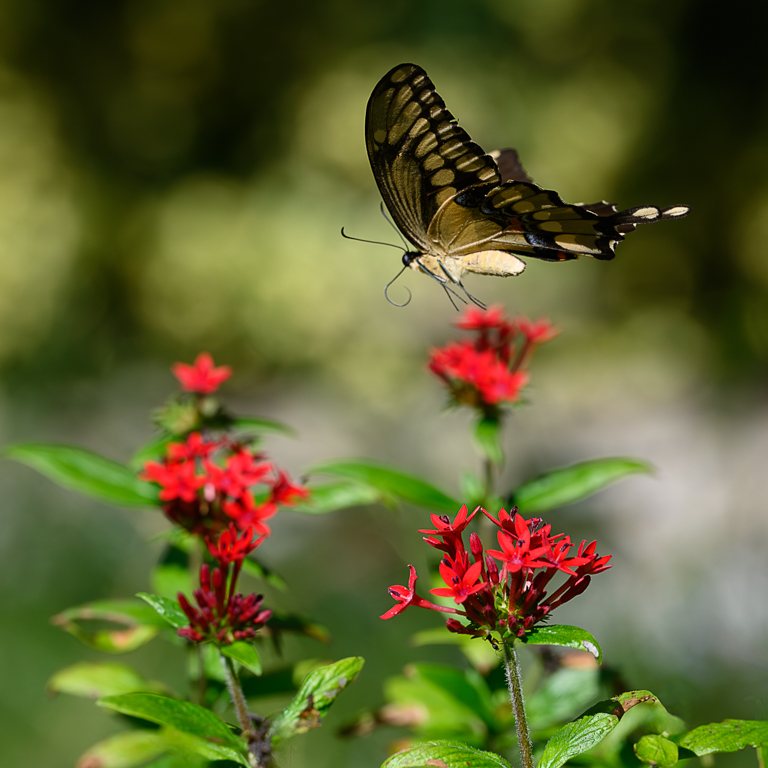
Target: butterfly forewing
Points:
x,y
419,155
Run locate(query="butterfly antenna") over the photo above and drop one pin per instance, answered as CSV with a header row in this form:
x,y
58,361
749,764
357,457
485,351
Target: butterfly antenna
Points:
x,y
372,242
392,224
386,291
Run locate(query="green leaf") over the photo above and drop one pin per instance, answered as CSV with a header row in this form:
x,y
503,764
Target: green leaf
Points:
x,y
390,482
169,609
657,750
430,711
569,484
487,439
79,470
591,728
245,654
445,754
338,495
94,679
728,736
260,571
315,697
184,716
261,426
168,579
565,635
124,750
137,624
439,701
154,450
561,696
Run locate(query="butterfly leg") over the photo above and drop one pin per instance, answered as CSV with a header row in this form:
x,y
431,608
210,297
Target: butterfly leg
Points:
x,y
449,292
472,298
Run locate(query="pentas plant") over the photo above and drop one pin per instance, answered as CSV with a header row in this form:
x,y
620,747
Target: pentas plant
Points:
x,y
501,594
504,599
208,474
211,478
489,371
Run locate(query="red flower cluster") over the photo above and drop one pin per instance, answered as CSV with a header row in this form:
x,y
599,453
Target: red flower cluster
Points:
x,y
223,616
508,597
489,370
207,483
201,377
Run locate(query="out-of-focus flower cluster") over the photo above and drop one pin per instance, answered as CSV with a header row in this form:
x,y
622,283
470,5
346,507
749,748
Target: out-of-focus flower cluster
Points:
x,y
490,370
222,491
510,596
208,482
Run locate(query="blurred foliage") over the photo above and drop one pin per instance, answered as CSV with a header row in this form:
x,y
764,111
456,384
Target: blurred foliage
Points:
x,y
175,173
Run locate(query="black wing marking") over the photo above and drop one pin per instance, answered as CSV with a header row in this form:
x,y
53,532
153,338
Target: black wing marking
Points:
x,y
419,155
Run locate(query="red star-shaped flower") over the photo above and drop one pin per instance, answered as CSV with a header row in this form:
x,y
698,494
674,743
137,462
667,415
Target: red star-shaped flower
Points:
x,y
202,376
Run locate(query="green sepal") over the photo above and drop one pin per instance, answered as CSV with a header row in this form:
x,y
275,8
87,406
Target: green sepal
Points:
x,y
446,754
95,679
564,635
138,624
392,483
168,609
591,728
243,653
488,440
568,484
213,738
86,472
314,698
656,749
728,736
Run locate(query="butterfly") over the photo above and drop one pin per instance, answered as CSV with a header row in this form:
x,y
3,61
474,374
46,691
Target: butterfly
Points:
x,y
467,211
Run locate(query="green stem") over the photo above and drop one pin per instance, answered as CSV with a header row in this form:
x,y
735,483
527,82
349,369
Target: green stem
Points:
x,y
238,697
515,685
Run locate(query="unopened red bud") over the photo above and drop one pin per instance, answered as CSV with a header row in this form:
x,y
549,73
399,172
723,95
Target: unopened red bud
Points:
x,y
205,577
186,607
218,578
475,546
493,570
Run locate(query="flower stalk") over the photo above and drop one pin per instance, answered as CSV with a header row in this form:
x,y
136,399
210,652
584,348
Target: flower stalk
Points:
x,y
514,683
236,692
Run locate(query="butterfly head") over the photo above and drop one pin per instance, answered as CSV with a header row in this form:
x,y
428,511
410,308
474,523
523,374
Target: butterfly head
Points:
x,y
409,257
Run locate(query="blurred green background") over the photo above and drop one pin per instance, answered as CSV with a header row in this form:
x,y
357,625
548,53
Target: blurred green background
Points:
x,y
173,177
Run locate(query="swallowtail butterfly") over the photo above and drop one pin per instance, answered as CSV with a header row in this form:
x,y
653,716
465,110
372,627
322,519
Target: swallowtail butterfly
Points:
x,y
467,211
